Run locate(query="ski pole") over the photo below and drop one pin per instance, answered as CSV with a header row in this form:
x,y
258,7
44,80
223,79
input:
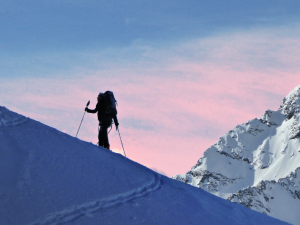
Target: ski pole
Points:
x,y
82,117
121,142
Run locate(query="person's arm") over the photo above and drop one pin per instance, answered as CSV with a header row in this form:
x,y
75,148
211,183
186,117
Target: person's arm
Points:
x,y
116,121
91,110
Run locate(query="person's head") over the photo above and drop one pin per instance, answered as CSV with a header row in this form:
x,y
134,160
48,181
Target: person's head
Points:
x,y
100,96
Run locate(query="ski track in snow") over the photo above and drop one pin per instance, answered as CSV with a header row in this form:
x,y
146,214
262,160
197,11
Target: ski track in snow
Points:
x,y
72,213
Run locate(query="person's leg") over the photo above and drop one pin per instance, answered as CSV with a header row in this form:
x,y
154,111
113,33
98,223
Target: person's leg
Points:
x,y
100,137
103,137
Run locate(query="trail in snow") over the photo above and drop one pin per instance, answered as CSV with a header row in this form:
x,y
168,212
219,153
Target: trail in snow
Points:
x,y
75,212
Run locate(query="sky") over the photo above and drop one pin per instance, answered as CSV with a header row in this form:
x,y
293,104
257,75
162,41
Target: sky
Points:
x,y
183,73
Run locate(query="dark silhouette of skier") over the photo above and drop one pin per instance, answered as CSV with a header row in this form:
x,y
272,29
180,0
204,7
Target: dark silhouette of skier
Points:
x,y
105,117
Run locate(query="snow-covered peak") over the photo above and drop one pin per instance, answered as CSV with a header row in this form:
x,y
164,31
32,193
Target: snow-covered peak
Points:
x,y
291,103
8,118
263,149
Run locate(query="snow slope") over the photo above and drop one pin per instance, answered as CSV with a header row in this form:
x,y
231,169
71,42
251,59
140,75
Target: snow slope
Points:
x,y
257,163
49,177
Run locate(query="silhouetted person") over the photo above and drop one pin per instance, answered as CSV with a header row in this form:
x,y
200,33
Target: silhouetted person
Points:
x,y
105,117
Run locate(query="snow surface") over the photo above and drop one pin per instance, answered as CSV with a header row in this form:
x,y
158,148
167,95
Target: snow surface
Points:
x,y
257,163
49,177
8,118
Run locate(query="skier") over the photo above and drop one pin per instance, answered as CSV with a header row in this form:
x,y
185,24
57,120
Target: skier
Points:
x,y
105,116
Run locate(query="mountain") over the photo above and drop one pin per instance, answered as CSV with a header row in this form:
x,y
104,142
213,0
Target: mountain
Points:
x,y
257,164
49,177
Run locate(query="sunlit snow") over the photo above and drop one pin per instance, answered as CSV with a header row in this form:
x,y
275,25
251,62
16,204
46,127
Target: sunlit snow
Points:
x,y
257,163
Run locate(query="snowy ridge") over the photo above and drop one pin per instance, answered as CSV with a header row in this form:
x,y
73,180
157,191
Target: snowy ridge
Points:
x,y
206,180
48,178
74,212
9,118
262,196
290,104
254,158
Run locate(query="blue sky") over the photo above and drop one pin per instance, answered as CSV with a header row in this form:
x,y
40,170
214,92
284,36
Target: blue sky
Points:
x,y
32,26
184,73
33,33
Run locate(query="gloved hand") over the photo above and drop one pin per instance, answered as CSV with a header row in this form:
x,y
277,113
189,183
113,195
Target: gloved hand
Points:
x,y
117,125
86,108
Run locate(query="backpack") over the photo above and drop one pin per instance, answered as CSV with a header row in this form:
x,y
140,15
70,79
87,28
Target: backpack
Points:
x,y
110,102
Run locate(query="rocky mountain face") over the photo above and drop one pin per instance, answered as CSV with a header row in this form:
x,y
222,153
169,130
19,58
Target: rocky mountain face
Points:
x,y
257,164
